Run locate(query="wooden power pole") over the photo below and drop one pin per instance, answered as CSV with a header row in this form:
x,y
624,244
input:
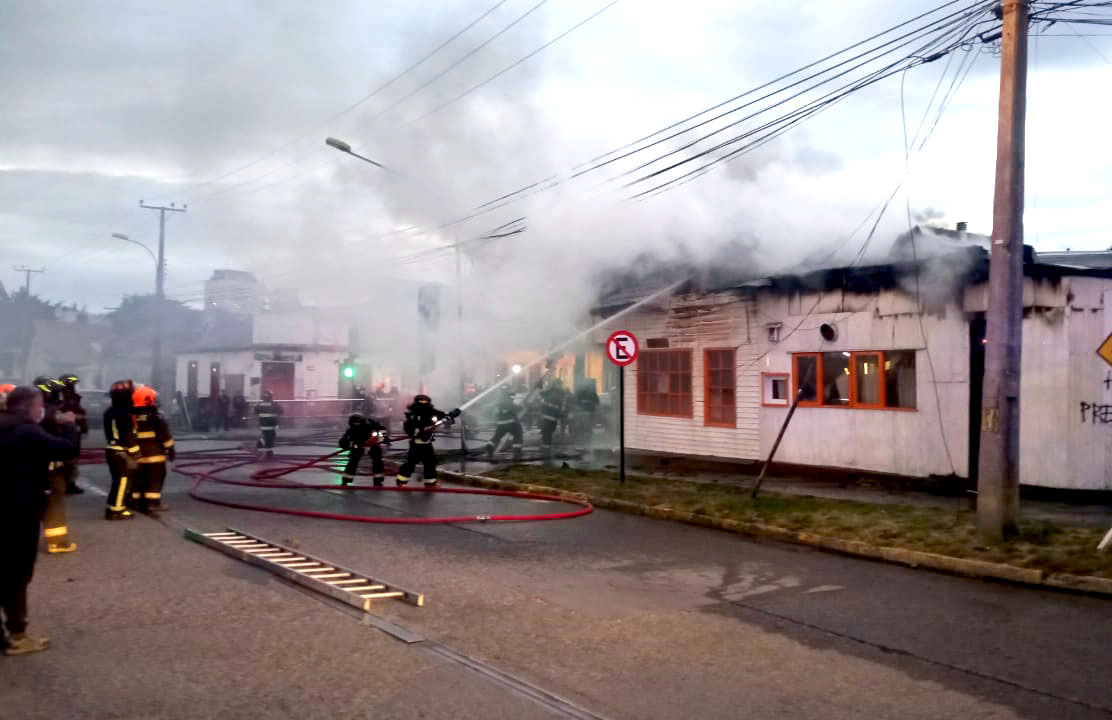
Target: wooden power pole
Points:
x,y
998,464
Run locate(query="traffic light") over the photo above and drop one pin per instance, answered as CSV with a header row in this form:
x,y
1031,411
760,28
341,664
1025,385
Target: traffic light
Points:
x,y
348,370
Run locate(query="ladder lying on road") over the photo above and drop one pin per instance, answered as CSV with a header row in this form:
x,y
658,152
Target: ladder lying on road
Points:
x,y
347,586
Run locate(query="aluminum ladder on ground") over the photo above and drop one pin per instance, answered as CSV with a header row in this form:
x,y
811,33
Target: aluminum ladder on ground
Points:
x,y
347,586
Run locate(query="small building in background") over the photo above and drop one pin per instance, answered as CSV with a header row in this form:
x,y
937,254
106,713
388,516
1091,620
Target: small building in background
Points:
x,y
296,356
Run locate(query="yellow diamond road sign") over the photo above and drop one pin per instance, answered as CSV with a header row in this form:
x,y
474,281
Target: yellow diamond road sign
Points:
x,y
1105,350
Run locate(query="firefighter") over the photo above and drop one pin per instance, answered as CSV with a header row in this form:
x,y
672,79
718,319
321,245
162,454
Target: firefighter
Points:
x,y
156,446
364,434
54,521
71,402
421,422
507,421
552,411
586,405
4,390
268,413
121,450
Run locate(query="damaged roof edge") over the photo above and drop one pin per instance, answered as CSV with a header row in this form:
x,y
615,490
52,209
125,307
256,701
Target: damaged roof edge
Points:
x,y
966,266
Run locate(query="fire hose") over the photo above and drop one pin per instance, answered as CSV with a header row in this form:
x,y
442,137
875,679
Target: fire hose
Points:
x,y
206,466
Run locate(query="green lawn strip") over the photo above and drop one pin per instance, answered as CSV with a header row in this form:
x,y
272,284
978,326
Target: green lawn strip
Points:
x,y
1050,546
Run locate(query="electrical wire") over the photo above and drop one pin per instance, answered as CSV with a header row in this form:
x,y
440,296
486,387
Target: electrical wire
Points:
x,y
512,65
459,62
926,53
345,111
521,193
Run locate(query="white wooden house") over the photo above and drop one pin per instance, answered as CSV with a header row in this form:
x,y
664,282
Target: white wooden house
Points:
x,y
890,375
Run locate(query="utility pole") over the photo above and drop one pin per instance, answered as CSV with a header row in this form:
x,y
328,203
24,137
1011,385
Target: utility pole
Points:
x,y
159,295
27,280
459,352
998,464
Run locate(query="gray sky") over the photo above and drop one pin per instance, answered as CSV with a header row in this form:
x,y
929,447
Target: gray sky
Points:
x,y
106,103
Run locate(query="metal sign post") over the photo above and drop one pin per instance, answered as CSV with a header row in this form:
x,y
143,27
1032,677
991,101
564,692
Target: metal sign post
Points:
x,y
622,349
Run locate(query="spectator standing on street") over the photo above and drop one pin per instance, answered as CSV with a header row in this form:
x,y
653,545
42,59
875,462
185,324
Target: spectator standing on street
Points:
x,y
26,451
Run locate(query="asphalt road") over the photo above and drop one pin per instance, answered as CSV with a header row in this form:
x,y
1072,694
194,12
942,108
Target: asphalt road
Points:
x,y
626,617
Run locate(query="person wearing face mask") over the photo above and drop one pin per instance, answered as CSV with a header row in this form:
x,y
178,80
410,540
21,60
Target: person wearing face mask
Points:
x,y
26,452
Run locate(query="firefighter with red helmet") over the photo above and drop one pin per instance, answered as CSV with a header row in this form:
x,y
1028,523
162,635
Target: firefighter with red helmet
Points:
x,y
364,435
421,422
121,449
4,390
156,446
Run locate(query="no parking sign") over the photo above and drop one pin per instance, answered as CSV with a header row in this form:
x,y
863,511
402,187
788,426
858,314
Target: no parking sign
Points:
x,y
622,348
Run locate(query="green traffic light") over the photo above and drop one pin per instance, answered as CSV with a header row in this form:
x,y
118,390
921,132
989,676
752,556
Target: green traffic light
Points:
x,y
349,371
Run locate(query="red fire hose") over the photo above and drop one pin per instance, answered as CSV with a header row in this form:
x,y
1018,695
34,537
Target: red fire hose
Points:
x,y
188,464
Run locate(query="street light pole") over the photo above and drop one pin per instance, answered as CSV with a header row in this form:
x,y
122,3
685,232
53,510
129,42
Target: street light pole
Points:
x,y
345,147
156,362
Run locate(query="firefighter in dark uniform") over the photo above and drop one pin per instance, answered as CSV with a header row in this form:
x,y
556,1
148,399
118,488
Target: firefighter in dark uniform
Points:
x,y
552,411
364,434
71,402
421,421
268,413
156,446
54,520
586,405
121,449
507,421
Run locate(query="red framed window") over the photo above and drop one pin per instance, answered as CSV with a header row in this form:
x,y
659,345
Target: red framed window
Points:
x,y
664,383
719,388
869,379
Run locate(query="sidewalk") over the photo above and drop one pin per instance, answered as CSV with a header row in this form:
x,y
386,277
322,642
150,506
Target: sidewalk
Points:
x,y
862,490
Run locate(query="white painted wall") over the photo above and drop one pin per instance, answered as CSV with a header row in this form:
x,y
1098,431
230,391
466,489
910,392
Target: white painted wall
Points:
x,y
317,375
697,324
905,442
1061,370
1060,447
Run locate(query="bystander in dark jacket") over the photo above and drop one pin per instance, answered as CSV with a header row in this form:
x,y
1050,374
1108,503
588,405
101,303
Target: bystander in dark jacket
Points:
x,y
26,451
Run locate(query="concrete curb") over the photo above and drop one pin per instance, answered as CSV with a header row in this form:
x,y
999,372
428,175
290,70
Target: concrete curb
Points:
x,y
900,556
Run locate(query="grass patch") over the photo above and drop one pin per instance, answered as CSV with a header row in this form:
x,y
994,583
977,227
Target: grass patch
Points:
x,y
1043,545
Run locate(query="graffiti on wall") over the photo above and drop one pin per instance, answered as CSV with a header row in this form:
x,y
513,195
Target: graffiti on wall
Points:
x,y
1096,413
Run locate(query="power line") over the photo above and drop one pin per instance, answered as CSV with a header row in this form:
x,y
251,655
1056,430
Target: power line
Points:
x,y
553,181
945,21
460,61
369,96
782,124
512,65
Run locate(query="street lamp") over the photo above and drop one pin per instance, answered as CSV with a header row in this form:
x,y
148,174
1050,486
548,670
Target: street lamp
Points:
x,y
125,238
158,267
345,148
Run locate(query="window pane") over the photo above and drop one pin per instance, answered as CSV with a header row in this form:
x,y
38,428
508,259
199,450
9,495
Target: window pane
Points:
x,y
806,377
779,389
868,377
835,378
899,373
